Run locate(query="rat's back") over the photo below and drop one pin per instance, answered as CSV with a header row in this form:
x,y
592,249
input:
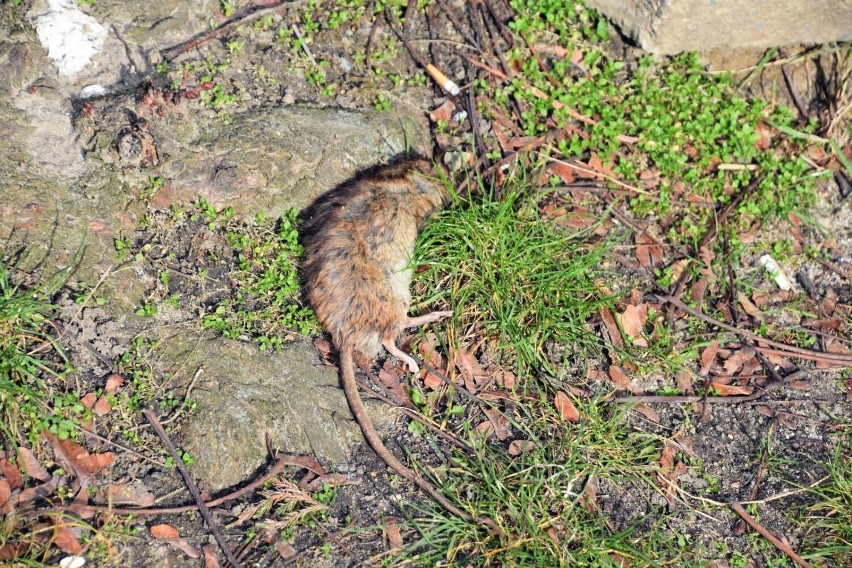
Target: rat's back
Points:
x,y
358,239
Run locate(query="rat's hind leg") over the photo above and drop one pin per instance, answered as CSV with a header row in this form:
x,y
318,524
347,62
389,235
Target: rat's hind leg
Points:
x,y
390,345
426,318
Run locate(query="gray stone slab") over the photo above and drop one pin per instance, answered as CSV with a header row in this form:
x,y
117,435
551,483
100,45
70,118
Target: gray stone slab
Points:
x,y
674,26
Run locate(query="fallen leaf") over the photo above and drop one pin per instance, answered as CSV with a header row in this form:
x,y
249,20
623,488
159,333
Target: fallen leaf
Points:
x,y
829,303
286,551
324,347
501,425
730,390
669,473
5,491
800,385
765,410
749,307
388,377
707,357
471,372
64,539
30,465
484,428
647,412
430,354
11,473
443,112
735,362
113,383
517,447
683,379
89,400
632,324
696,293
618,376
102,406
566,408
392,533
184,546
211,557
648,252
611,328
123,494
39,491
562,171
12,551
163,532
84,464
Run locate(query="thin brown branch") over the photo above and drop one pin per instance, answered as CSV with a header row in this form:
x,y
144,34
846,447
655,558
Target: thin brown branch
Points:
x,y
193,489
178,50
794,92
780,348
783,547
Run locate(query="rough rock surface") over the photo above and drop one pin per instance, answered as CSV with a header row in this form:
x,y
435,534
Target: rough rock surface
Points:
x,y
673,26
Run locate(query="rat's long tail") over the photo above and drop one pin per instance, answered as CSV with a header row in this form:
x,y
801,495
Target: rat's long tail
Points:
x,y
350,387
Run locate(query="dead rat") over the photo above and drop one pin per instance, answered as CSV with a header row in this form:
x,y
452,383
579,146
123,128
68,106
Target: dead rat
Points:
x,y
359,239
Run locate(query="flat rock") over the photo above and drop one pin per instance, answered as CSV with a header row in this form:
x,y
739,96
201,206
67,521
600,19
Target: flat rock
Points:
x,y
673,26
244,394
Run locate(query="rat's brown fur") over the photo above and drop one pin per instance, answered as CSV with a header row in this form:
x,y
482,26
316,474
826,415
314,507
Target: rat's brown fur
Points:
x,y
358,239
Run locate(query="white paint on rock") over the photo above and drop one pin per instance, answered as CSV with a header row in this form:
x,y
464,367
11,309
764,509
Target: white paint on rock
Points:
x,y
71,37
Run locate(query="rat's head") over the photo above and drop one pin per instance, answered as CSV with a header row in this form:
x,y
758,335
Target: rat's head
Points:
x,y
430,180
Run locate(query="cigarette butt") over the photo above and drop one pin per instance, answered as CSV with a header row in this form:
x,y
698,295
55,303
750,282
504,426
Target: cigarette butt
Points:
x,y
442,80
775,272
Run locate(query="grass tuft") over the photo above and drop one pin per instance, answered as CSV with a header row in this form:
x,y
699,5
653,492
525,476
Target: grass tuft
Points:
x,y
29,356
544,499
512,276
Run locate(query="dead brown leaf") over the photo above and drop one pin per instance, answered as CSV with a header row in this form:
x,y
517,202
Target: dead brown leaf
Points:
x,y
683,379
517,447
566,408
648,252
286,550
749,307
5,492
669,473
562,171
730,390
64,538
621,380
39,491
443,112
632,323
735,362
473,374
113,383
123,494
501,426
89,400
211,555
12,551
163,532
84,464
611,328
707,357
647,412
392,533
102,406
30,465
11,473
388,378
